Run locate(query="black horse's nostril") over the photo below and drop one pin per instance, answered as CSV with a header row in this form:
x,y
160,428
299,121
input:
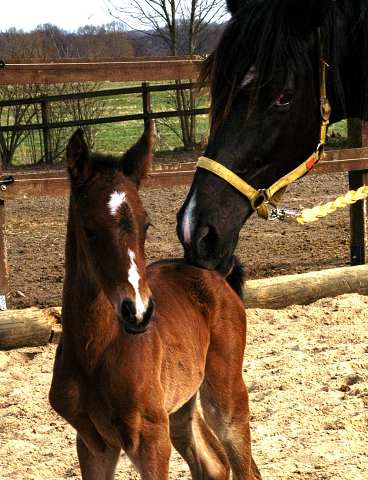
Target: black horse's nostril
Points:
x,y
206,242
129,311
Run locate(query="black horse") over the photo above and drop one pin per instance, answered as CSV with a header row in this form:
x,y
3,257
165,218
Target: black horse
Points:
x,y
266,86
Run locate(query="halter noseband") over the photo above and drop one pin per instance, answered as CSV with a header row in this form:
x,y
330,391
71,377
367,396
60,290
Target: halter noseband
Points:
x,y
272,195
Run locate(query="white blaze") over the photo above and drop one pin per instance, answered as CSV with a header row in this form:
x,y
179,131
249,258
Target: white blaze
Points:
x,y
133,279
116,199
188,219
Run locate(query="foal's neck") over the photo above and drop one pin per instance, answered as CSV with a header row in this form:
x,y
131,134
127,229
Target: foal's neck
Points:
x,y
87,314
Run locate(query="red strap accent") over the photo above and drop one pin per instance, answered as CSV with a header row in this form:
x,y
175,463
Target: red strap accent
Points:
x,y
309,164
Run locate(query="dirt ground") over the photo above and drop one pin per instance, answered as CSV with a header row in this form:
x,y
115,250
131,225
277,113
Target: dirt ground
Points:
x,y
35,230
306,367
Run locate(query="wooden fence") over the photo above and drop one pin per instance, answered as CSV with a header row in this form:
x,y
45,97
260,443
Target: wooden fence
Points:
x,y
144,90
354,160
161,68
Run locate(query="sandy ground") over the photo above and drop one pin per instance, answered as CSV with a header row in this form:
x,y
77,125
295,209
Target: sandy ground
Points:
x,y
306,369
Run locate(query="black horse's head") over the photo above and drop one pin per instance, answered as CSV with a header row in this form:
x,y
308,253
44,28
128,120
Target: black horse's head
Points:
x,y
265,111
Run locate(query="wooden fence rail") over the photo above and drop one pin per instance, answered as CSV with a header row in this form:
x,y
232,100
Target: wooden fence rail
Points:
x,y
354,161
145,90
112,70
45,102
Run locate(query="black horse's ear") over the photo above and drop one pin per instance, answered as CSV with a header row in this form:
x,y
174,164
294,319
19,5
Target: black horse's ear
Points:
x,y
234,5
77,156
308,15
136,162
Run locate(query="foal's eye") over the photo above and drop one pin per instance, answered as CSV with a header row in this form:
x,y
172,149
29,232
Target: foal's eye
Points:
x,y
284,99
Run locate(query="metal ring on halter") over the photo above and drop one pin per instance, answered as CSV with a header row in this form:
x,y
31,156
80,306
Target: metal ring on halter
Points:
x,y
258,199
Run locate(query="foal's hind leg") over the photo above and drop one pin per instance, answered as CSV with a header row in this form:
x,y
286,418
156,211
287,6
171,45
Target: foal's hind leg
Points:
x,y
224,400
100,466
197,445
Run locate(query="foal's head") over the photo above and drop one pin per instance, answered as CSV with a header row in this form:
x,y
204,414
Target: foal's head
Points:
x,y
109,225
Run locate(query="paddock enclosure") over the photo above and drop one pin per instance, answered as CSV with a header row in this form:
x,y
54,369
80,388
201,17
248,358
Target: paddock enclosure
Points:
x,y
49,184
306,367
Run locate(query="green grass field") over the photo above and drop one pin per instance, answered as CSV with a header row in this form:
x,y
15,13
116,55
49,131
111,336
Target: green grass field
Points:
x,y
117,137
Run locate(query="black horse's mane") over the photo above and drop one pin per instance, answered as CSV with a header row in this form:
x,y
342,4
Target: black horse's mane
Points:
x,y
261,34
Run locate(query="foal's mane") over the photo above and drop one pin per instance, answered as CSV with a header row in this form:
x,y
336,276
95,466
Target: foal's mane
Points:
x,y
106,165
261,34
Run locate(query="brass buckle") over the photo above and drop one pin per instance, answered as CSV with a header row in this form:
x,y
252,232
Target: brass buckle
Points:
x,y
325,109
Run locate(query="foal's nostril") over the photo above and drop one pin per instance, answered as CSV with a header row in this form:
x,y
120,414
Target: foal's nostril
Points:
x,y
128,319
129,311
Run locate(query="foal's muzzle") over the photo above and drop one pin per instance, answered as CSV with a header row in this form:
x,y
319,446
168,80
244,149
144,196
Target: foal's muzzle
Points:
x,y
128,319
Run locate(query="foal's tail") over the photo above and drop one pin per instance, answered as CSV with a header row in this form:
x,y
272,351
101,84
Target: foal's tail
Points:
x,y
236,278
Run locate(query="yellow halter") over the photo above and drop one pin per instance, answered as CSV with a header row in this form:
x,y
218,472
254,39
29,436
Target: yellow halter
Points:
x,y
272,195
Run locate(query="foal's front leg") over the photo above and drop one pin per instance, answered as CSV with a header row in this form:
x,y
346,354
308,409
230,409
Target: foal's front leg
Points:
x,y
148,445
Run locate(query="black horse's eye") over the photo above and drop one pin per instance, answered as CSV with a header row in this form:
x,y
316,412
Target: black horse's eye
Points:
x,y
284,99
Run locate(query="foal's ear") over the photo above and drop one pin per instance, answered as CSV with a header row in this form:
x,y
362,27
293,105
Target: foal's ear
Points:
x,y
308,15
136,162
77,155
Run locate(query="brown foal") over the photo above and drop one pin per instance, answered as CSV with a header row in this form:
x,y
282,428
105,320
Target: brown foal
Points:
x,y
139,344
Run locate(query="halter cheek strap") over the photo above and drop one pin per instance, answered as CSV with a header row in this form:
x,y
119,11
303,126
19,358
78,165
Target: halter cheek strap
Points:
x,y
272,195
260,198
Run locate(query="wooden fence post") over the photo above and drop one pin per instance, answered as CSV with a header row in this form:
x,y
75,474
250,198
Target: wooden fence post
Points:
x,y
4,272
146,99
45,112
358,137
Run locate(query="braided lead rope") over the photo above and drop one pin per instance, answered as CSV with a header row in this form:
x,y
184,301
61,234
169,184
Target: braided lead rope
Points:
x,y
311,214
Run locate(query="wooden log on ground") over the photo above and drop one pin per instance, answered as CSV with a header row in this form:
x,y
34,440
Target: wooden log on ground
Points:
x,y
33,327
303,289
30,327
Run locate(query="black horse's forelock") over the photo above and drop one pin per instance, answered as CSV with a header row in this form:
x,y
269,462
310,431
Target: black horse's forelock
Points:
x,y
262,34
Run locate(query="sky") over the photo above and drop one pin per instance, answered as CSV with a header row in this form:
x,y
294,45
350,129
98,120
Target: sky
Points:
x,y
66,14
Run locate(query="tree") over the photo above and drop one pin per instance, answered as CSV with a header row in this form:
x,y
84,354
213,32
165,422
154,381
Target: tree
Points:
x,y
49,41
165,19
15,115
109,40
46,41
183,26
28,113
